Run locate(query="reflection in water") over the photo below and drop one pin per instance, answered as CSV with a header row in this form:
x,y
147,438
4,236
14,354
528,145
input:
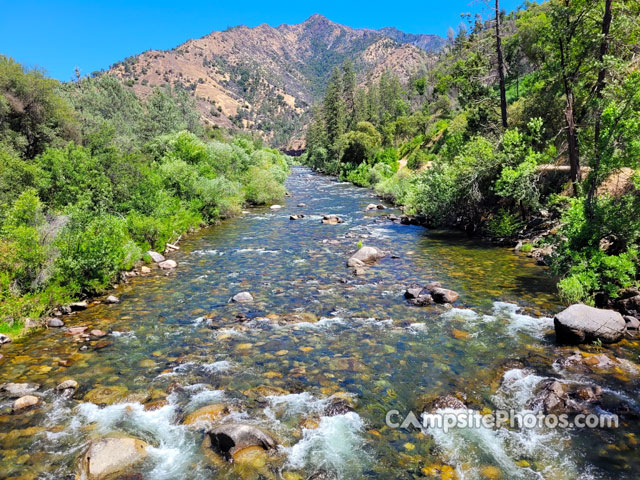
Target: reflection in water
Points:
x,y
177,344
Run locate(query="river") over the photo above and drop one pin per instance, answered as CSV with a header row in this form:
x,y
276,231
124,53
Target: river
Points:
x,y
175,343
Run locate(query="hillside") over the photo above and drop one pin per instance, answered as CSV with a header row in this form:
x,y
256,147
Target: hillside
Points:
x,y
264,78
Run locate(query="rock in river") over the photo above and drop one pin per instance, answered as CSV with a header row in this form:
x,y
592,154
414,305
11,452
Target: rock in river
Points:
x,y
275,207
4,339
168,264
232,437
155,256
108,457
16,390
332,220
242,297
25,402
111,299
580,323
297,216
431,293
206,415
365,255
55,323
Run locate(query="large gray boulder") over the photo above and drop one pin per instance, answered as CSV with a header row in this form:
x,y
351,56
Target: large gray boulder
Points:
x,y
108,457
365,255
581,323
232,437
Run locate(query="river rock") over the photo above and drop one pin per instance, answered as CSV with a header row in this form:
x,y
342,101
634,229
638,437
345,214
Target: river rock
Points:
x,y
55,323
365,255
554,397
31,323
242,297
302,205
98,333
168,264
444,295
77,306
4,339
229,438
108,457
581,323
155,256
112,299
337,406
296,216
16,390
371,206
67,385
144,270
275,207
427,403
332,220
633,324
25,402
106,395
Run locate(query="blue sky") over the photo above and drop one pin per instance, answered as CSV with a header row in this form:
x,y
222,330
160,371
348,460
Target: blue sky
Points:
x,y
58,36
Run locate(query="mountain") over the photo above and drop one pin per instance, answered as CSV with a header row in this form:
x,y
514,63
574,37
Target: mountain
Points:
x,y
266,78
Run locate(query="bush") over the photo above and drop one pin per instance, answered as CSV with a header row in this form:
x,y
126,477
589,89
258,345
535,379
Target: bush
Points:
x,y
504,224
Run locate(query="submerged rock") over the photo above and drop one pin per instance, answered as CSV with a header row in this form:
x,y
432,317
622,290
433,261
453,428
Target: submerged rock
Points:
x,y
108,457
580,323
429,403
106,395
332,220
155,256
242,297
25,402
206,415
16,390
168,264
365,255
230,438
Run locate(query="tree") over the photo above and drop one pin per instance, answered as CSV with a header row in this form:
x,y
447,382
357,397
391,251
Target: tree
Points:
x,y
349,92
334,112
503,94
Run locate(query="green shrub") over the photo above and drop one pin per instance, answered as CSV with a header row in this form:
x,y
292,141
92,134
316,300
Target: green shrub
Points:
x,y
526,248
504,224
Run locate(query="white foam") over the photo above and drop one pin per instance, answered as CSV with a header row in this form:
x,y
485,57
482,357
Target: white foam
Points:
x,y
335,446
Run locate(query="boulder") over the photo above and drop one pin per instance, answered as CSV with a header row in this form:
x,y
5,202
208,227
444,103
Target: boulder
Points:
x,y
554,397
275,207
337,406
16,390
296,216
332,220
229,438
428,403
413,291
429,294
25,402
371,206
111,299
242,297
380,206
365,255
168,264
145,270
580,323
4,339
55,323
108,457
155,256
422,300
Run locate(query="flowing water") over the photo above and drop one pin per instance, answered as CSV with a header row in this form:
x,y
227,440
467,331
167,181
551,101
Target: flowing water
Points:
x,y
175,343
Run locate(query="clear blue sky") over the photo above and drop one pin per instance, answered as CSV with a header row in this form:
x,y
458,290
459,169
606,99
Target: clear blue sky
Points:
x,y
59,35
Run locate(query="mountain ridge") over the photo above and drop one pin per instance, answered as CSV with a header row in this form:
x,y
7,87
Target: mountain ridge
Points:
x,y
266,78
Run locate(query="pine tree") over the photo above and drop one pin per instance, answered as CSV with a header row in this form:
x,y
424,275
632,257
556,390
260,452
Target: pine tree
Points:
x,y
334,112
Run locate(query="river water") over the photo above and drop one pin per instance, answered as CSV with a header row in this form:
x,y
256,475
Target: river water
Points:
x,y
175,343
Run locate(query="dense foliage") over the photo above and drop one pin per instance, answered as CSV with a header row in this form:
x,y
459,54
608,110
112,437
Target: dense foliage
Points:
x,y
452,150
91,177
